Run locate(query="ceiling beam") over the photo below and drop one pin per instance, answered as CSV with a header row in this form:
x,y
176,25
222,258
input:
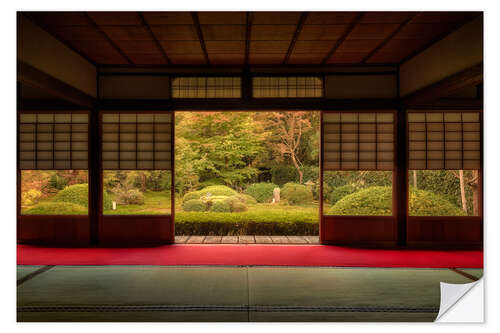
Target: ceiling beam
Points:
x,y
389,38
349,29
248,37
44,27
110,41
469,77
31,76
439,37
296,34
196,22
153,36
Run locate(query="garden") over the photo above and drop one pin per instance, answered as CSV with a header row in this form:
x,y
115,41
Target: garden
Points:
x,y
248,173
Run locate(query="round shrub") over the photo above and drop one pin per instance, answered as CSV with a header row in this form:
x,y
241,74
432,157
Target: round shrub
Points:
x,y
262,192
340,192
79,194
296,194
377,200
130,197
30,197
238,207
221,206
191,195
247,199
216,190
193,205
59,208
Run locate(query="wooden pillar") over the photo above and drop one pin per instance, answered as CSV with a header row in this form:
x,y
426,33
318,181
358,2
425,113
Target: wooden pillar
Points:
x,y
400,178
94,175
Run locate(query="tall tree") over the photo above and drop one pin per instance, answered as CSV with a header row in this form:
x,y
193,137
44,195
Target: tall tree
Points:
x,y
290,127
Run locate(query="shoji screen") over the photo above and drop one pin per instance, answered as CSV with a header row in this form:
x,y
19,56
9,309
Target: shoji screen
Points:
x,y
136,141
53,141
448,140
358,140
287,86
206,87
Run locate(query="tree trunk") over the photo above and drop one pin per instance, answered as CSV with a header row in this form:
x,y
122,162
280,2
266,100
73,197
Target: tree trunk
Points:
x,y
301,174
462,190
475,192
415,179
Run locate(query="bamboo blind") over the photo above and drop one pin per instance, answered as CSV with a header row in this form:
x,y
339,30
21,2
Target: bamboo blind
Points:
x,y
448,140
287,86
206,87
358,141
136,141
53,141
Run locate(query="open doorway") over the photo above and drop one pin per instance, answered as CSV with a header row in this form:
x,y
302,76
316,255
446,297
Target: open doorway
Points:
x,y
247,177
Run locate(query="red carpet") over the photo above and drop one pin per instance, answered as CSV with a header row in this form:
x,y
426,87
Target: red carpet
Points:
x,y
265,255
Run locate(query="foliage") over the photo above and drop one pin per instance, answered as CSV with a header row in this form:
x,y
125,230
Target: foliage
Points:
x,y
79,194
247,199
377,200
260,222
221,145
296,194
59,208
193,205
340,192
130,197
57,182
238,207
214,190
262,192
221,206
30,197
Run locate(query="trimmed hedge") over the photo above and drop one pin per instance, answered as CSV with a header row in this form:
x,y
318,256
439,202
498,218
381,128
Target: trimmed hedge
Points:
x,y
246,223
79,194
262,192
214,190
194,205
247,199
377,200
221,206
296,194
340,192
56,208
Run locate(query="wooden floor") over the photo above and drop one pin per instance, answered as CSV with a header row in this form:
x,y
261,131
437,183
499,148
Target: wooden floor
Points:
x,y
247,239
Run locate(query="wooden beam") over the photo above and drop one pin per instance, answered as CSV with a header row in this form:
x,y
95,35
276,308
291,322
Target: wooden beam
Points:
x,y
337,44
469,77
248,36
110,41
197,26
389,38
153,36
29,75
439,38
296,34
42,26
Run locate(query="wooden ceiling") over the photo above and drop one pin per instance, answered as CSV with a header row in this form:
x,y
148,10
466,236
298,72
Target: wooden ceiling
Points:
x,y
254,38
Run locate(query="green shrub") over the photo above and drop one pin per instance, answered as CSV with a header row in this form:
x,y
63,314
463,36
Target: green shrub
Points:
x,y
377,200
282,174
221,206
130,197
30,197
247,223
238,207
247,199
191,195
79,194
56,208
215,190
340,192
193,205
296,194
262,192
57,182
212,182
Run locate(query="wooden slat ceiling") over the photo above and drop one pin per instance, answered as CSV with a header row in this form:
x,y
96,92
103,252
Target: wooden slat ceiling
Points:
x,y
254,38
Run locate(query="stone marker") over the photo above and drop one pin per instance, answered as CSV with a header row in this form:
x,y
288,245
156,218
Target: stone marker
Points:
x,y
276,195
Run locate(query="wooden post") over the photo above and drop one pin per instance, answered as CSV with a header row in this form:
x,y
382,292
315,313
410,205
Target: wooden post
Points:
x,y
94,175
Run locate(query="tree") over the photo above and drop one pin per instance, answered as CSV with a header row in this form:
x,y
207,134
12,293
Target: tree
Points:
x,y
289,127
